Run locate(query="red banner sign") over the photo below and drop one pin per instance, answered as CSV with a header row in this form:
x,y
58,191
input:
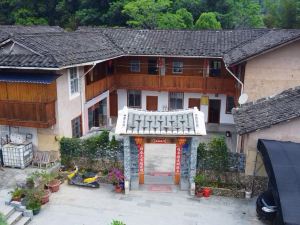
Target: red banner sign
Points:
x,y
178,159
159,141
141,158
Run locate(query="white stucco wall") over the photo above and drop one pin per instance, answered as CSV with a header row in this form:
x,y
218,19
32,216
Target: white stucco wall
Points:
x,y
273,72
68,107
163,100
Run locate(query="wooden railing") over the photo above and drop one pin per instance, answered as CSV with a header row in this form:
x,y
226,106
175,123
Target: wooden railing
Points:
x,y
31,114
162,83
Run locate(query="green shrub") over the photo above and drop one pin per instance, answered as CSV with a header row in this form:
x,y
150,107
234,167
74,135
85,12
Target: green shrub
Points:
x,y
93,147
117,222
214,155
2,220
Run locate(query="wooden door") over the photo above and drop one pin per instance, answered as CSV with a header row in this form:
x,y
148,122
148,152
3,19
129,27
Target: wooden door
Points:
x,y
113,103
151,103
214,110
194,102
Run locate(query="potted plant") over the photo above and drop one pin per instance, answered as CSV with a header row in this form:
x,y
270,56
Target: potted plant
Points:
x,y
51,182
116,177
17,194
201,183
33,200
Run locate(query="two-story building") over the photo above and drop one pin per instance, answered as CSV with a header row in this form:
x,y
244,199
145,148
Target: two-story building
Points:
x,y
60,83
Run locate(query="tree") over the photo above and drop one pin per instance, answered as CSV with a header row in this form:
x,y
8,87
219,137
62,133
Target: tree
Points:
x,y
243,14
208,21
145,13
182,19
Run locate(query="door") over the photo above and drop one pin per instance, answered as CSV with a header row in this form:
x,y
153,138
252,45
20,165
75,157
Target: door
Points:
x,y
194,102
159,163
214,110
113,104
152,66
151,103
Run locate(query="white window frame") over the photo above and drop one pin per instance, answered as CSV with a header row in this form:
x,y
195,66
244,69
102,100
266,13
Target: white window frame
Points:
x,y
179,65
134,63
70,83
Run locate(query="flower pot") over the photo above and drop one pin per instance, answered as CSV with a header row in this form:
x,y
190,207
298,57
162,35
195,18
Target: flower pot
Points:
x,y
206,192
45,197
36,211
118,189
16,199
54,185
199,194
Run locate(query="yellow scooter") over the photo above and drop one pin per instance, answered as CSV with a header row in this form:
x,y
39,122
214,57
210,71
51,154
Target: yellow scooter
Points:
x,y
85,180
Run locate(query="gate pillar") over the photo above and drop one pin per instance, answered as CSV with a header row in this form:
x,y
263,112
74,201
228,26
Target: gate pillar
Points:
x,y
180,142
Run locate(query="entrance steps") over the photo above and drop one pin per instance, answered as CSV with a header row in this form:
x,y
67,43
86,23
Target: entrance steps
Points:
x,y
159,179
14,217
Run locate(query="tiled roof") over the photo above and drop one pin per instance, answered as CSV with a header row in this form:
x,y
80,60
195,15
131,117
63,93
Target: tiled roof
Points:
x,y
59,48
259,45
266,112
8,30
176,123
54,50
213,43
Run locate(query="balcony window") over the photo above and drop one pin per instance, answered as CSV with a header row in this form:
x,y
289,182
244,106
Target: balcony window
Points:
x,y
230,104
134,99
215,68
135,66
74,80
175,101
76,127
177,67
97,114
152,66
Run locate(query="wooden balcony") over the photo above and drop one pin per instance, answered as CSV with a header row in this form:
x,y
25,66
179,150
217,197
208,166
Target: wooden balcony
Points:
x,y
176,83
172,83
96,88
29,114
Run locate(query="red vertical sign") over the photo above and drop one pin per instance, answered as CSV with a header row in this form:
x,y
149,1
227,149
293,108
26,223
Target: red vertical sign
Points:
x,y
141,158
178,159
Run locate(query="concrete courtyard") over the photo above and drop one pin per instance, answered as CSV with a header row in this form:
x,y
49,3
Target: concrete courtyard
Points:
x,y
80,206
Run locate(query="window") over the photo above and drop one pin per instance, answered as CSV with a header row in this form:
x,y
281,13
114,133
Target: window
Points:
x,y
134,99
152,66
97,114
135,66
230,104
177,67
74,81
76,127
175,101
215,68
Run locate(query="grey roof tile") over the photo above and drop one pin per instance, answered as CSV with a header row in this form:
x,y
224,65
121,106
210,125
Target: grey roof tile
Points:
x,y
93,44
266,112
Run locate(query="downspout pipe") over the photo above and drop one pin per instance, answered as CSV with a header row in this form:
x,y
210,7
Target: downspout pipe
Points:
x,y
236,78
82,98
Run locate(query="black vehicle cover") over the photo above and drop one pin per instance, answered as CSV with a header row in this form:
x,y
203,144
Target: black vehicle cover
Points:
x,y
282,163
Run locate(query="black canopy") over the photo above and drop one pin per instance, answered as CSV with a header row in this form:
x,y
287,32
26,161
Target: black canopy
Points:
x,y
282,163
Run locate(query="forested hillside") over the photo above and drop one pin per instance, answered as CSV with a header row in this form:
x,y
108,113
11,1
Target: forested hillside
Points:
x,y
167,14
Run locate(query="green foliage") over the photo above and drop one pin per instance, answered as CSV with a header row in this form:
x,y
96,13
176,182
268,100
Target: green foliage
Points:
x,y
117,222
98,146
208,21
214,155
33,198
145,13
200,180
152,13
2,220
17,193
